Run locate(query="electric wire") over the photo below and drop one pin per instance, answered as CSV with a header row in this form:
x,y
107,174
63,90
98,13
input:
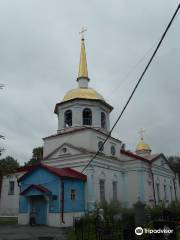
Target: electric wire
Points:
x,y
134,67
136,86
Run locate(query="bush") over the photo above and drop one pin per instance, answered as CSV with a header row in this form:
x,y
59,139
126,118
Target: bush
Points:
x,y
158,211
110,209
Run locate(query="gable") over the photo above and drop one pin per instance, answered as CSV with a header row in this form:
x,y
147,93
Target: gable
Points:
x,y
40,176
65,150
161,161
34,190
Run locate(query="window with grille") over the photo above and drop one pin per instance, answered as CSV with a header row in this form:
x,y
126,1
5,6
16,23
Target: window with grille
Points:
x,y
100,146
68,118
87,116
158,191
113,150
102,190
11,188
171,193
165,193
103,120
73,194
114,185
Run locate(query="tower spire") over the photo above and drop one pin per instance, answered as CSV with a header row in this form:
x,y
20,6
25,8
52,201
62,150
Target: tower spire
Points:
x,y
83,70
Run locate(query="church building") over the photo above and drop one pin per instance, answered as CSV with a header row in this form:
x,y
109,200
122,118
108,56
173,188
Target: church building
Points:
x,y
57,188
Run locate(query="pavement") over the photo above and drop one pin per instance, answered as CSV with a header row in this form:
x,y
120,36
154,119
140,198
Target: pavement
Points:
x,y
16,232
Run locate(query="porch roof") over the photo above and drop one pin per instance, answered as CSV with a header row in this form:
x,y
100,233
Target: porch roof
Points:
x,y
39,188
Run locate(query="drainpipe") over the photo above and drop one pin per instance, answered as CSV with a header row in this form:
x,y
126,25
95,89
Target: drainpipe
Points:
x,y
175,187
1,181
152,176
62,200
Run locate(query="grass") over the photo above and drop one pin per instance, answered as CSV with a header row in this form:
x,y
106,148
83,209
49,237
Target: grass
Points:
x,y
72,236
178,234
8,221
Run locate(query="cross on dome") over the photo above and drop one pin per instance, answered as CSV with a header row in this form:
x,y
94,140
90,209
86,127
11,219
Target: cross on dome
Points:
x,y
141,133
83,30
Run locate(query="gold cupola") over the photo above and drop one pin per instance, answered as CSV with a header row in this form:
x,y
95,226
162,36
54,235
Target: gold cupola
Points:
x,y
142,148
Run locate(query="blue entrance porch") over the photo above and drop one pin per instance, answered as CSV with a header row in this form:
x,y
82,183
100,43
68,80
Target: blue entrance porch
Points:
x,y
38,205
37,196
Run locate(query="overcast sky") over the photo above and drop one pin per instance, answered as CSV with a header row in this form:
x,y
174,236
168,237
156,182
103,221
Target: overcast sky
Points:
x,y
39,57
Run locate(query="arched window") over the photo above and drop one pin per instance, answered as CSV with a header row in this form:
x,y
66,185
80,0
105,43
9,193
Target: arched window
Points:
x,y
113,150
100,146
103,120
68,118
87,116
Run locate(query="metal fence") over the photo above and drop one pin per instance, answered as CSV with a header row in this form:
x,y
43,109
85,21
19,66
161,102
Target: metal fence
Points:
x,y
90,228
93,229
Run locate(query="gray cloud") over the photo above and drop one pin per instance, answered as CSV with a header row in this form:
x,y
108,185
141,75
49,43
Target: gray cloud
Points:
x,y
39,56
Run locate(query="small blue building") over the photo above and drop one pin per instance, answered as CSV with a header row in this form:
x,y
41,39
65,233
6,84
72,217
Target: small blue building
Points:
x,y
55,195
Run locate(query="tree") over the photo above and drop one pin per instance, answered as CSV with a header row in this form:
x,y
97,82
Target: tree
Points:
x,y
1,149
174,162
37,155
8,165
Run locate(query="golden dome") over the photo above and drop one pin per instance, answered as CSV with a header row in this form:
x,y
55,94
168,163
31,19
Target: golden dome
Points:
x,y
84,93
142,146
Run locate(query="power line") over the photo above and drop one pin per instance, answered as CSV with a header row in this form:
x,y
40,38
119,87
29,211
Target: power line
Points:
x,y
136,86
1,136
134,67
1,86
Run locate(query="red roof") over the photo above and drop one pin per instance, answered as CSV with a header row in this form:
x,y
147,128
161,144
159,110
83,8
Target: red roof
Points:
x,y
66,172
38,187
60,172
78,129
131,154
26,168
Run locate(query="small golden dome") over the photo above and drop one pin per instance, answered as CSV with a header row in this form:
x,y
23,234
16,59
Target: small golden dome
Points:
x,y
142,146
84,93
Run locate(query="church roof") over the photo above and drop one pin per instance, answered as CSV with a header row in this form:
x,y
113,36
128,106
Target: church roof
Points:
x,y
60,172
78,129
83,93
148,158
82,98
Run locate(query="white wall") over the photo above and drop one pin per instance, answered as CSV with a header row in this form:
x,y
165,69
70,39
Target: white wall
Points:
x,y
9,204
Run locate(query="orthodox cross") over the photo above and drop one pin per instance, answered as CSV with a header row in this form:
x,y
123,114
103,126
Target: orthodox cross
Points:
x,y
141,133
82,32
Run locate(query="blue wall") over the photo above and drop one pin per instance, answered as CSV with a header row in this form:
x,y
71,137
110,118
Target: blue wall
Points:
x,y
53,183
79,203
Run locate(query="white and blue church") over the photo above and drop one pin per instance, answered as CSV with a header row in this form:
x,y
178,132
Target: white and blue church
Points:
x,y
58,191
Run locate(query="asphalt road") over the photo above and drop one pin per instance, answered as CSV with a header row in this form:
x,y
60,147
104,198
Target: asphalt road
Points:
x,y
15,232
